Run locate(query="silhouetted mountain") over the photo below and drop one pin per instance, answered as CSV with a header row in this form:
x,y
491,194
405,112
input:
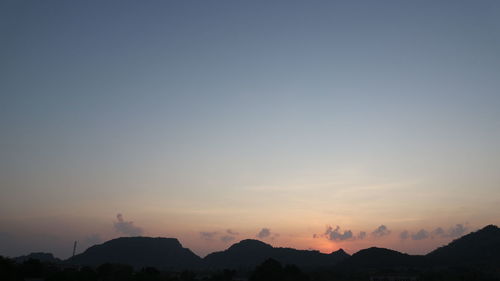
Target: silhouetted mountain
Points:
x,y
382,258
249,253
476,248
162,253
43,257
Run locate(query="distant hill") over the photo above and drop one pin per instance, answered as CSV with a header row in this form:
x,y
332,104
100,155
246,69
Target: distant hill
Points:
x,y
43,257
162,253
476,248
248,253
378,258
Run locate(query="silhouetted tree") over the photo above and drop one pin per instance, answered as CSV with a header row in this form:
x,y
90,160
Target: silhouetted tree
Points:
x,y
8,270
112,272
88,273
32,268
187,275
225,275
148,274
269,270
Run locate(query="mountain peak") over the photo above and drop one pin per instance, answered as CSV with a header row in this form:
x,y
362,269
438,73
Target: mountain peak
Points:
x,y
250,244
249,253
481,246
163,253
376,250
339,251
376,257
489,228
144,238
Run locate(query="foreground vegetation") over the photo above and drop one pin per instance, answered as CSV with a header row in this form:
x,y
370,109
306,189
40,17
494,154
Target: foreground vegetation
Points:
x,y
270,270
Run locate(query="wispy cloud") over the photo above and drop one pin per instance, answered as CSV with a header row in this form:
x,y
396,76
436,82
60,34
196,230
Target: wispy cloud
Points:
x,y
225,236
230,236
231,232
208,235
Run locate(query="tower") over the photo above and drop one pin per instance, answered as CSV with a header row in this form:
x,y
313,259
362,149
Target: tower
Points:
x,y
74,249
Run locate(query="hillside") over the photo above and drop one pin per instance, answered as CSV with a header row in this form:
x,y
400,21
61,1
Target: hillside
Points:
x,y
480,247
249,253
477,248
378,258
162,253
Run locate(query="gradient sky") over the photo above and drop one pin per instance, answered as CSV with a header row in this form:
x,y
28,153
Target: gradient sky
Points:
x,y
215,121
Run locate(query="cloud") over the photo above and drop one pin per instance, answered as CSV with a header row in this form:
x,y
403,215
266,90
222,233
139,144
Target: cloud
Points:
x,y
231,232
230,236
227,238
208,235
126,227
457,230
438,232
337,235
264,233
420,235
381,231
452,232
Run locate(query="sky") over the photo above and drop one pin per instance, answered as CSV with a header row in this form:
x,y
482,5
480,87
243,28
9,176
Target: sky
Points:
x,y
307,124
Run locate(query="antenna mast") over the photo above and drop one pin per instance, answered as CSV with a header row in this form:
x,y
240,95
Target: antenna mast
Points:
x,y
74,249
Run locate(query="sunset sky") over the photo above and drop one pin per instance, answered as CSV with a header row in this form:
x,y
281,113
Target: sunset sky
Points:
x,y
307,124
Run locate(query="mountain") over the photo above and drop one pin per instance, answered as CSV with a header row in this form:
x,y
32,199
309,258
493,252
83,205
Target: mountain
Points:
x,y
476,248
249,253
43,257
162,253
382,258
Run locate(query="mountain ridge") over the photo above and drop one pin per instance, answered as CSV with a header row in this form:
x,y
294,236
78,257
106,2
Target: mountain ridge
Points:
x,y
249,253
478,247
160,252
481,247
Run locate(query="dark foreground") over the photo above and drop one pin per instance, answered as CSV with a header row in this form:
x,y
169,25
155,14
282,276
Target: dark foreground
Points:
x,y
269,270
